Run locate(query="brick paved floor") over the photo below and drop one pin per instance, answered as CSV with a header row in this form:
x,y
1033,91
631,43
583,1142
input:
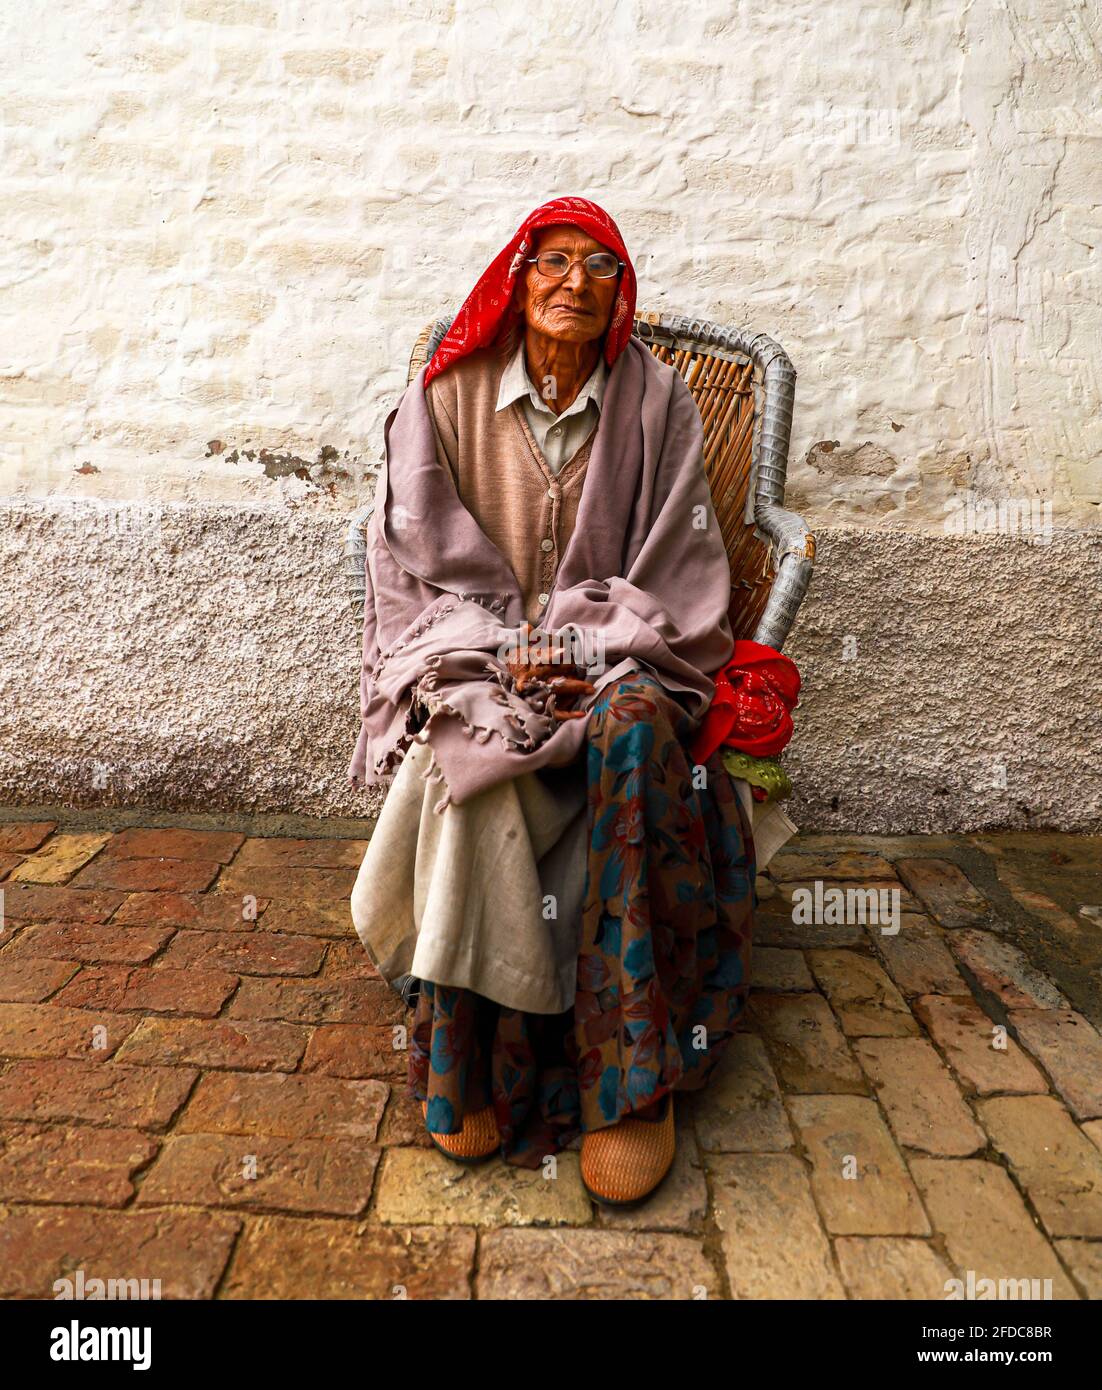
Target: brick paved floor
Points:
x,y
200,1085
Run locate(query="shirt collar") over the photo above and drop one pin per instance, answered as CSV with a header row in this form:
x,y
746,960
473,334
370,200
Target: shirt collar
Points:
x,y
515,384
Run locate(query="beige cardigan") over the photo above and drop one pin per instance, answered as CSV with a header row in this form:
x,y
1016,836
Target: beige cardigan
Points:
x,y
503,481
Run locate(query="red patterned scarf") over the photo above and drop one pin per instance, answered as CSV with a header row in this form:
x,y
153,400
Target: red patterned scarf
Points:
x,y
751,709
478,320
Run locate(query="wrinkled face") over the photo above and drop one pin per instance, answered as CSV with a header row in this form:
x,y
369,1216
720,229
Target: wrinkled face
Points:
x,y
576,308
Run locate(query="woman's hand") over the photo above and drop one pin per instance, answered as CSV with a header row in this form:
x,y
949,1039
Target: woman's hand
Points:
x,y
566,691
541,673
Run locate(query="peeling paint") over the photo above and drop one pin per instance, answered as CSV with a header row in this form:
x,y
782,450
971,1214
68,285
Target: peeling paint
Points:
x,y
328,473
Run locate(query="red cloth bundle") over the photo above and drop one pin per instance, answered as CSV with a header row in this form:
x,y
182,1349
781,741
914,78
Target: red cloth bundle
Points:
x,y
751,709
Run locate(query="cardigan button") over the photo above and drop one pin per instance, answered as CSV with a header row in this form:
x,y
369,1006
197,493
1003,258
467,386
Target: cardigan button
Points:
x,y
553,491
547,545
543,598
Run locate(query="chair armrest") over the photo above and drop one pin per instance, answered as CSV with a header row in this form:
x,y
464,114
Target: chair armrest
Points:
x,y
792,543
355,556
794,549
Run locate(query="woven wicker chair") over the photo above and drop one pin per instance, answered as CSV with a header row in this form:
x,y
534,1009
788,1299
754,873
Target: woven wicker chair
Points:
x,y
744,386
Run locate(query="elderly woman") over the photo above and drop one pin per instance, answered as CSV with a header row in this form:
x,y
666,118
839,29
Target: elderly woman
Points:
x,y
573,893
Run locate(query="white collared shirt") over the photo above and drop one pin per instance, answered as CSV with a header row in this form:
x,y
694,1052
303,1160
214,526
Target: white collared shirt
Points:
x,y
559,436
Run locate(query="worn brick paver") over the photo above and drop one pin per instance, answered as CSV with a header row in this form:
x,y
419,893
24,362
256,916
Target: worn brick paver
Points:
x,y
71,1090
33,978
1084,1259
917,957
202,1081
924,1106
808,1050
1054,1161
214,1042
149,875
50,1030
422,1187
546,1265
981,1052
279,1257
217,845
80,1163
185,1251
347,960
289,883
862,995
260,1173
302,854
775,927
945,890
294,1107
60,859
356,1050
1070,1051
327,919
24,837
891,1267
984,1222
773,1242
780,970
857,1174
802,865
164,990
200,911
254,953
1001,969
741,1108
404,1123
32,902
318,1001
89,941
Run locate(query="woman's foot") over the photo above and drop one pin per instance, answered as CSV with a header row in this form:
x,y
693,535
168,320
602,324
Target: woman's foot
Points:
x,y
623,1164
478,1140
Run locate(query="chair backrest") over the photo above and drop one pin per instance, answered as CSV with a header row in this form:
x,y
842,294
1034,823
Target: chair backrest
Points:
x,y
724,371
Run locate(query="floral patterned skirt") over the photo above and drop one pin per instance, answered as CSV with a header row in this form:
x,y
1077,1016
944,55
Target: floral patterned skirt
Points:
x,y
664,965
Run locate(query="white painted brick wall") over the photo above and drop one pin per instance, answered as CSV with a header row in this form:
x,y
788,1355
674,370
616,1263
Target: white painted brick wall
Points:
x,y
227,220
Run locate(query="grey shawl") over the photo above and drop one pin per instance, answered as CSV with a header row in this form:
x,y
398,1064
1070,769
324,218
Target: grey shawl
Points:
x,y
644,580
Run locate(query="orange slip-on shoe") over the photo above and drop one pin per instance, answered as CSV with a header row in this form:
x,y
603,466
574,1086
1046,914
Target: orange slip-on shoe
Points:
x,y
623,1164
478,1140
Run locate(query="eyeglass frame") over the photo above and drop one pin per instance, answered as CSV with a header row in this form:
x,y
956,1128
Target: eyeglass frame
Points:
x,y
534,260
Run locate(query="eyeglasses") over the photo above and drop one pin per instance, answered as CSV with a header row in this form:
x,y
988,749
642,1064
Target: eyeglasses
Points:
x,y
602,265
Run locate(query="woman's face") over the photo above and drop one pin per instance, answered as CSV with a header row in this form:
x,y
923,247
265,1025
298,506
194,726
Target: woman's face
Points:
x,y
576,308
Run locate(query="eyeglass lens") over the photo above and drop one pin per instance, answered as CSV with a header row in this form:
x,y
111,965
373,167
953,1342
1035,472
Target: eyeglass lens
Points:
x,y
601,265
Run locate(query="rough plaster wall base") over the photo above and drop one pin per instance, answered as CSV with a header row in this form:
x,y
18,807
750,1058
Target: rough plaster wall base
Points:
x,y
204,658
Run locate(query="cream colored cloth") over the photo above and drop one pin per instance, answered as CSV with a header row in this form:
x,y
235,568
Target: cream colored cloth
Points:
x,y
486,895
771,826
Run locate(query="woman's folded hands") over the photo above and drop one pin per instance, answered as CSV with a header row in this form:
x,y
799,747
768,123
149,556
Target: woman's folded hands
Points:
x,y
543,671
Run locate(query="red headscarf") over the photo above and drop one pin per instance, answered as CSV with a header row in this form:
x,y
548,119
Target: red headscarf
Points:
x,y
480,316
